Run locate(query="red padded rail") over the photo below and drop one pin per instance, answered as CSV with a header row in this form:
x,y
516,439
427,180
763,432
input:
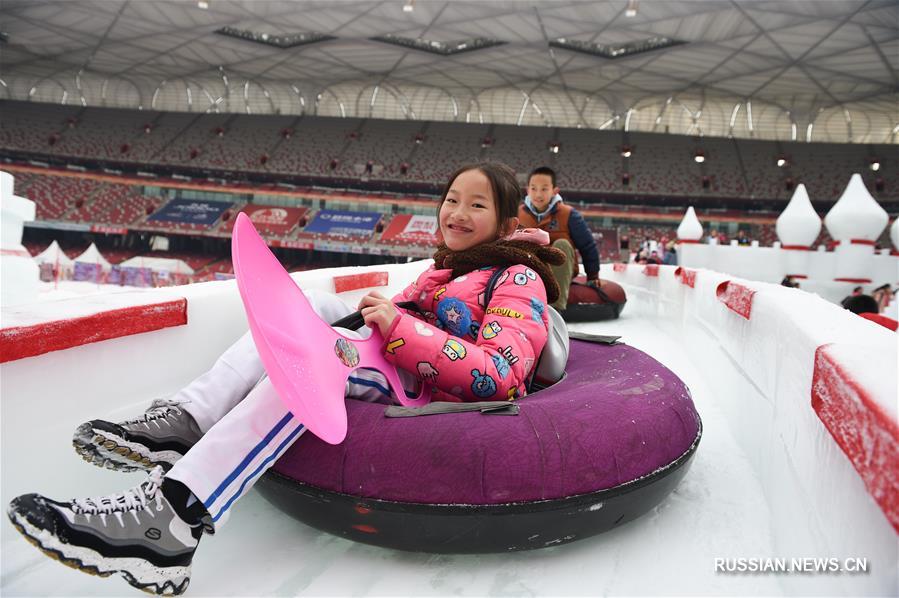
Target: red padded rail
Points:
x,y
737,297
686,276
868,436
27,341
352,282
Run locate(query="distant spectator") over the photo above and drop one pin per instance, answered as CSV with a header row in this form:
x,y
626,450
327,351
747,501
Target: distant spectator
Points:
x,y
789,281
742,238
670,254
860,304
713,237
867,307
883,295
543,208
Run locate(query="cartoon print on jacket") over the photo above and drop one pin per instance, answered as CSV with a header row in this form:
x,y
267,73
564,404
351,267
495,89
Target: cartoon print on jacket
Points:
x,y
483,385
509,356
467,357
454,349
537,309
427,371
454,315
502,366
423,330
491,329
395,344
528,363
505,311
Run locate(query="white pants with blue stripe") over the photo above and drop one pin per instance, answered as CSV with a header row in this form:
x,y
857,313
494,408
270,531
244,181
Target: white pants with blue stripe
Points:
x,y
246,426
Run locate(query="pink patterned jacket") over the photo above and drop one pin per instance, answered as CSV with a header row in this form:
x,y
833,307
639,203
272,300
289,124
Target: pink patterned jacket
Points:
x,y
467,350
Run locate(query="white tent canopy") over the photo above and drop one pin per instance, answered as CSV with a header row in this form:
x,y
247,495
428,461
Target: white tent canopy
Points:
x,y
54,255
158,264
92,255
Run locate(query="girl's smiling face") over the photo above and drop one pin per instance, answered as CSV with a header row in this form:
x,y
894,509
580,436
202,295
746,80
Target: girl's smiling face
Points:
x,y
468,214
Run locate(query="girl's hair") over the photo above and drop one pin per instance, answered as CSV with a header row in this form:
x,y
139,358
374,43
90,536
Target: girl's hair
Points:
x,y
503,183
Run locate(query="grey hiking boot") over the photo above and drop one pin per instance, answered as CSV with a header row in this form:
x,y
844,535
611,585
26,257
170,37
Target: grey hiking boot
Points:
x,y
135,534
160,437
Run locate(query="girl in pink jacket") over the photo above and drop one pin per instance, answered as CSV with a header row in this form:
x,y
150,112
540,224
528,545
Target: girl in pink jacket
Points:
x,y
208,445
467,348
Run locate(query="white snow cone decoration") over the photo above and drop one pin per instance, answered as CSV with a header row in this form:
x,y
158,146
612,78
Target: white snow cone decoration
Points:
x,y
798,225
856,215
894,234
689,229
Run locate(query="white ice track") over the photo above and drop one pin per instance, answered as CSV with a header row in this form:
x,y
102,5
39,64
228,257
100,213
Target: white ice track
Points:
x,y
719,510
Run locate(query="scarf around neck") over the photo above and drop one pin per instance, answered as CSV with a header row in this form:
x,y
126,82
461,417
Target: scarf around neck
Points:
x,y
504,253
549,208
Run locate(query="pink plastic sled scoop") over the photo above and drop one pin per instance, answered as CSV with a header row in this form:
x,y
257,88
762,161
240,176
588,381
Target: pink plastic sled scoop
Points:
x,y
307,361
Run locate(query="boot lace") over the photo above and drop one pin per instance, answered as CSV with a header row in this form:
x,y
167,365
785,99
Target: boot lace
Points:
x,y
159,409
135,499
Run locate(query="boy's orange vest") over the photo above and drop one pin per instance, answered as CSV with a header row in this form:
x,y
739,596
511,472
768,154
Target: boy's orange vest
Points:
x,y
555,223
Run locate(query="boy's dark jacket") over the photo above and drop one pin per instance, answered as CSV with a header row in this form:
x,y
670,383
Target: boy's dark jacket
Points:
x,y
564,222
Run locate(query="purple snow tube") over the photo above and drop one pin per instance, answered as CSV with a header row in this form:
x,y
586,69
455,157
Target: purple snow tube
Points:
x,y
597,449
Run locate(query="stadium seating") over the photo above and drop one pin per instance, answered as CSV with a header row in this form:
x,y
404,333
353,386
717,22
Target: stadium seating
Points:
x,y
131,208
445,147
386,144
155,132
591,163
220,266
341,148
312,145
34,127
56,195
522,148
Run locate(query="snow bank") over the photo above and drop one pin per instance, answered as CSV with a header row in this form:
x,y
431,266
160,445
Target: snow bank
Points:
x,y
810,391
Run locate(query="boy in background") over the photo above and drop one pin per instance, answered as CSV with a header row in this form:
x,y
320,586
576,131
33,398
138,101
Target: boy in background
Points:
x,y
544,208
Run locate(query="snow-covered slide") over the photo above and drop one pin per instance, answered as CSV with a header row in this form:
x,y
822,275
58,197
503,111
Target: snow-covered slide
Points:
x,y
797,469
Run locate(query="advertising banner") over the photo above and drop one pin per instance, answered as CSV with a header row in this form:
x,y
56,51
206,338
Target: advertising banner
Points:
x,y
87,272
115,275
413,229
138,277
292,244
274,219
338,222
108,230
190,211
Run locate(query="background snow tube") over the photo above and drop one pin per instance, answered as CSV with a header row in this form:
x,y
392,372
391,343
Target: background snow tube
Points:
x,y
586,305
598,449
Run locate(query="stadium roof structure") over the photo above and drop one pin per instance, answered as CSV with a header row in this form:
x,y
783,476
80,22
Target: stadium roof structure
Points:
x,y
786,69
